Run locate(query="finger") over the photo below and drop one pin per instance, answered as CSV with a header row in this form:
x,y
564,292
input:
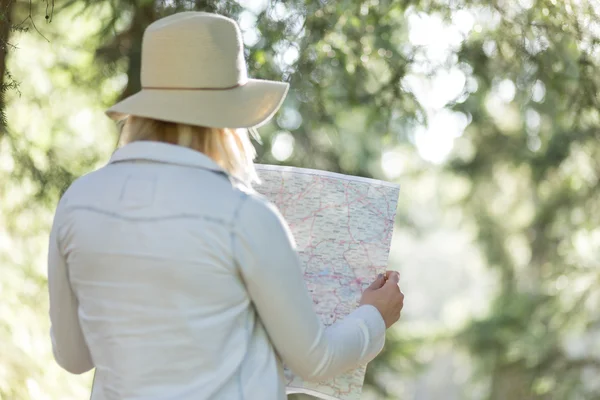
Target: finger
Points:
x,y
391,287
378,283
388,274
393,277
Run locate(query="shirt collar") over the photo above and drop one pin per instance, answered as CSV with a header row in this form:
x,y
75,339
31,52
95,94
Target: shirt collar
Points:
x,y
165,153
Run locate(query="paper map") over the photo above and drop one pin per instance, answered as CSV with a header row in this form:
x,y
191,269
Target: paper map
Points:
x,y
343,228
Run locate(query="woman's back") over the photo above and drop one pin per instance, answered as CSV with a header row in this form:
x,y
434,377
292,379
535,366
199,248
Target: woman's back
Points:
x,y
148,241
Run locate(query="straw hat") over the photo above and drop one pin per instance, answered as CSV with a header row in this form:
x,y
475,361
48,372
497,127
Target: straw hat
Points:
x,y
194,72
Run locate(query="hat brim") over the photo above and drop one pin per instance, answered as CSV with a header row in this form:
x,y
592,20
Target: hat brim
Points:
x,y
250,105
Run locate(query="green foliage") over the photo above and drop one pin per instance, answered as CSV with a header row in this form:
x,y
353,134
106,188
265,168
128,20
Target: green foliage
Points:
x,y
8,84
532,180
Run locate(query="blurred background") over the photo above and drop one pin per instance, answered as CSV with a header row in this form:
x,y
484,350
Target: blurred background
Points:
x,y
487,112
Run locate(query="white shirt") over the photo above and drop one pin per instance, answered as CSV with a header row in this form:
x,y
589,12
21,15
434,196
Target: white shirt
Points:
x,y
174,284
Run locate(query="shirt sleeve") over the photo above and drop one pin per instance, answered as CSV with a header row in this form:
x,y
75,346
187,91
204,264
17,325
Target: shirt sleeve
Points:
x,y
265,251
68,344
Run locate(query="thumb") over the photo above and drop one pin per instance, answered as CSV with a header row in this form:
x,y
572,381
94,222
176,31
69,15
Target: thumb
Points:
x,y
393,277
378,283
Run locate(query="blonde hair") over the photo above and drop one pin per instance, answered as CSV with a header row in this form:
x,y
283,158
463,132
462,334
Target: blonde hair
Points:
x,y
231,149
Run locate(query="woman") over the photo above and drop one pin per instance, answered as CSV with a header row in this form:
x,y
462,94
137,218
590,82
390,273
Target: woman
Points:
x,y
169,277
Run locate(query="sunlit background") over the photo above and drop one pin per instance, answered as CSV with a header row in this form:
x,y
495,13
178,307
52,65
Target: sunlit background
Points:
x,y
487,112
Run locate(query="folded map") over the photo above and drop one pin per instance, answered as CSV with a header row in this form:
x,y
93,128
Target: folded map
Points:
x,y
343,227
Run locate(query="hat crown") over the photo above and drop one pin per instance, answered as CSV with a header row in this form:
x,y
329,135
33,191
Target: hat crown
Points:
x,y
193,50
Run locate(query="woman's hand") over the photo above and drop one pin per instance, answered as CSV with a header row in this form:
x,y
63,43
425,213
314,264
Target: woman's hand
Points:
x,y
385,295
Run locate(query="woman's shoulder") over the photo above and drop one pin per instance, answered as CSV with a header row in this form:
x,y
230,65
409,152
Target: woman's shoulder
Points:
x,y
255,204
257,209
82,184
262,217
